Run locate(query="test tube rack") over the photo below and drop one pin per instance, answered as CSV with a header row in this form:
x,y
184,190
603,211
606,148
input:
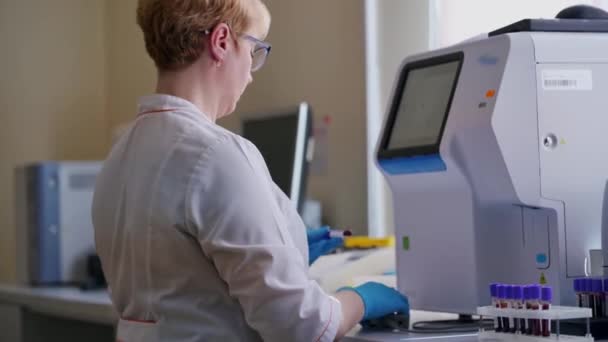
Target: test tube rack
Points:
x,y
555,314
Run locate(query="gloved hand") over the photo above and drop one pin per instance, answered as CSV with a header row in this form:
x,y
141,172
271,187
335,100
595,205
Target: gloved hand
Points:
x,y
380,300
320,243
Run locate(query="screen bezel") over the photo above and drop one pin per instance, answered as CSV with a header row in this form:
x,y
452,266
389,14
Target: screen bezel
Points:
x,y
384,152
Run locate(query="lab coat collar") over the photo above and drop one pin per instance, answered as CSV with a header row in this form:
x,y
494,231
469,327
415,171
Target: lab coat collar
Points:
x,y
168,103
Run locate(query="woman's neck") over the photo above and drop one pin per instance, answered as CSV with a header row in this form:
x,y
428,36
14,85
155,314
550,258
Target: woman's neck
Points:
x,y
188,85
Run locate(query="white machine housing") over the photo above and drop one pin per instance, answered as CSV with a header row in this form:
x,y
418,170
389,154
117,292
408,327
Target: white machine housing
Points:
x,y
519,197
54,226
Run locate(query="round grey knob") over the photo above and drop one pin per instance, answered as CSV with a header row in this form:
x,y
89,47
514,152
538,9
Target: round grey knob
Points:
x,y
550,141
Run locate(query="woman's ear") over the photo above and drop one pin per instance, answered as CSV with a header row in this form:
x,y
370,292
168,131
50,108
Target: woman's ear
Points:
x,y
218,42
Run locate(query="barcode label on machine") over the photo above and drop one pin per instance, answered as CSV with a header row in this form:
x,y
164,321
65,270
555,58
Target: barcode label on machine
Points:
x,y
560,84
556,79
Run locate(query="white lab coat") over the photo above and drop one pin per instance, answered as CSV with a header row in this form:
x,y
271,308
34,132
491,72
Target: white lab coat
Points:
x,y
196,240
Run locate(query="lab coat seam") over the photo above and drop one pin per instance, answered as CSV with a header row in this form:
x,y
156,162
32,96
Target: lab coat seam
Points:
x,y
271,194
199,168
289,217
179,114
149,213
115,232
201,119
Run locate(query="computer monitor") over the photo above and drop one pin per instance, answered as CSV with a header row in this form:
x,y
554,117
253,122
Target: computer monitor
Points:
x,y
283,139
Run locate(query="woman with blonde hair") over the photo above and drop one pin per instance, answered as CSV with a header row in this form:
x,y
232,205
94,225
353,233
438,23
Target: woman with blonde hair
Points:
x,y
196,241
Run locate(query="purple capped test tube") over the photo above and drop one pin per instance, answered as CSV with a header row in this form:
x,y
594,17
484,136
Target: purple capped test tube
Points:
x,y
534,301
604,298
518,301
510,320
496,304
502,302
526,328
597,291
494,293
546,296
586,293
577,291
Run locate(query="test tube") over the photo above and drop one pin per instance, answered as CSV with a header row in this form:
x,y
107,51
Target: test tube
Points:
x,y
604,298
510,305
524,328
508,321
502,302
601,300
528,304
334,233
546,295
577,292
597,291
494,296
535,305
586,293
518,301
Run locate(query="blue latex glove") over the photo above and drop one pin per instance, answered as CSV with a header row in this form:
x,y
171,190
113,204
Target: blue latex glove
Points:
x,y
380,300
319,243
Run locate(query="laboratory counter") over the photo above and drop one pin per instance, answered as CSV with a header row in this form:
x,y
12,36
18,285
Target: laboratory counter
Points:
x,y
33,314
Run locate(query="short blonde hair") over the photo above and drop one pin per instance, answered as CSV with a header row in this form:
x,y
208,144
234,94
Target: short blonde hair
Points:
x,y
173,29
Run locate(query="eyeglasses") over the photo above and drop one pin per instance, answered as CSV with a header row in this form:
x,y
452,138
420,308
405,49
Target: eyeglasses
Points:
x,y
259,53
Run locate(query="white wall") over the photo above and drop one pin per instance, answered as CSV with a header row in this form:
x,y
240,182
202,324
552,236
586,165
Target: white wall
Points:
x,y
394,30
459,20
130,71
51,95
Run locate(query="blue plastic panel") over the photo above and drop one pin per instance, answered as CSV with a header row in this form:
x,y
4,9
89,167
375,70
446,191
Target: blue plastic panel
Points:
x,y
416,164
47,203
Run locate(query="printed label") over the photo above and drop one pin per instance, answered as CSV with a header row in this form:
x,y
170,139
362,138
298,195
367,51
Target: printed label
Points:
x,y
567,79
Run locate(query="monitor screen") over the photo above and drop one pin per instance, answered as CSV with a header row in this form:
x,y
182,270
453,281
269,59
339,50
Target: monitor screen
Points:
x,y
420,106
275,138
282,139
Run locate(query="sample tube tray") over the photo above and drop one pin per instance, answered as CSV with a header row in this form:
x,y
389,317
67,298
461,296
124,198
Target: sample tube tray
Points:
x,y
555,314
496,336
